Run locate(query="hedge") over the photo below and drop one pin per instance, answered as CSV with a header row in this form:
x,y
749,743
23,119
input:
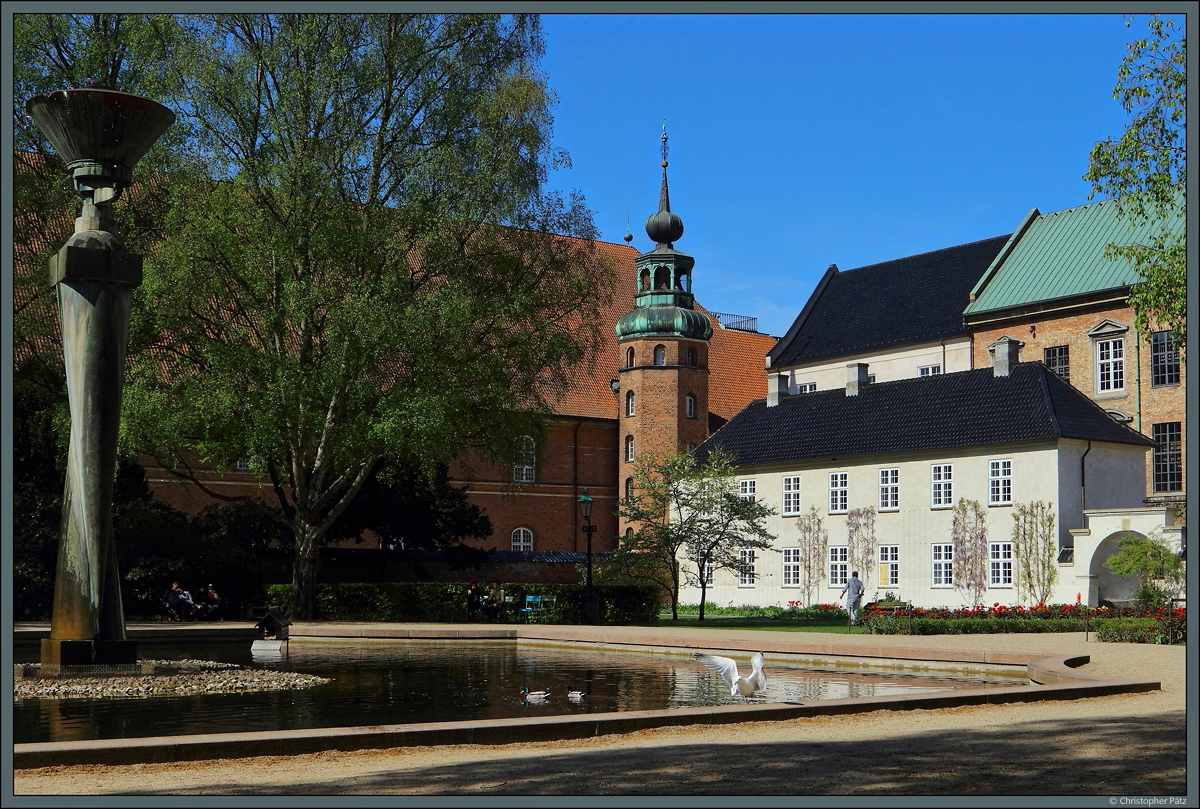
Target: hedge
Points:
x,y
880,623
445,602
1170,629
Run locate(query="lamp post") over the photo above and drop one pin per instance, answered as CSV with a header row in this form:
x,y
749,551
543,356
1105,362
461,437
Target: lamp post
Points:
x,y
100,134
589,602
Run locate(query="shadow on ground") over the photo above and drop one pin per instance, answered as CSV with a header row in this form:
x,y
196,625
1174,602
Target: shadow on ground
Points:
x,y
1122,756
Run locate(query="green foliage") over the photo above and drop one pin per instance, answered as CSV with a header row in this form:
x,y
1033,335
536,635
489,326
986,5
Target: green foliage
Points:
x,y
1165,629
969,536
443,602
1156,566
1146,170
681,507
886,623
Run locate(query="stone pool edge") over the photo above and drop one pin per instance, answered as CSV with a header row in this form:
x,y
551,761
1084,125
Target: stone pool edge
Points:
x,y
1054,678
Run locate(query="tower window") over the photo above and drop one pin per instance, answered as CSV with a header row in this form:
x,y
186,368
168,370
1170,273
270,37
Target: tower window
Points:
x,y
690,407
629,448
660,355
691,357
629,404
644,281
629,489
629,358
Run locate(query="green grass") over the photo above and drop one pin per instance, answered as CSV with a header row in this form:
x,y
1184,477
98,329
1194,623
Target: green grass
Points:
x,y
782,624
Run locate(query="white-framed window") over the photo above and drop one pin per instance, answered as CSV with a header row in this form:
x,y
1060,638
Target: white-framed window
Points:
x,y
1000,483
839,559
243,465
629,404
806,387
690,407
929,370
839,493
746,569
709,571
943,565
746,489
791,494
941,485
889,565
629,456
525,467
629,489
660,355
522,540
889,489
791,567
1000,563
1110,365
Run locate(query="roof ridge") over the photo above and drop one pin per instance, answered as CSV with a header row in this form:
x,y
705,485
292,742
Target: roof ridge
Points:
x,y
926,253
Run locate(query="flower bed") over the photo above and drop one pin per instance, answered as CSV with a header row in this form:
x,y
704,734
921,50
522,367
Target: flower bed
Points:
x,y
1129,624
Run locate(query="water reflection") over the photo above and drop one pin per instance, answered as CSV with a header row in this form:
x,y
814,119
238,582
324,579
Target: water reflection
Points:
x,y
378,684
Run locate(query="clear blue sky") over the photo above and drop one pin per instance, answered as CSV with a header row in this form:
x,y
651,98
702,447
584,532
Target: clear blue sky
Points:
x,y
800,141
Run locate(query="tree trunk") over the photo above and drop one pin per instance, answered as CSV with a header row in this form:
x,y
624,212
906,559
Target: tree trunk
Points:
x,y
303,603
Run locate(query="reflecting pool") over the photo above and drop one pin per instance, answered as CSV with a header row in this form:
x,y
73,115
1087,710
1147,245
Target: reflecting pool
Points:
x,y
406,682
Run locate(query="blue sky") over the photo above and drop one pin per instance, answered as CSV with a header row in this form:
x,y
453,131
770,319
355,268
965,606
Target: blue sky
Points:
x,y
800,141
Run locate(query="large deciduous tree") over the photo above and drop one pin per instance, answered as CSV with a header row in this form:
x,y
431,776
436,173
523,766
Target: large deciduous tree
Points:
x,y
1146,170
357,259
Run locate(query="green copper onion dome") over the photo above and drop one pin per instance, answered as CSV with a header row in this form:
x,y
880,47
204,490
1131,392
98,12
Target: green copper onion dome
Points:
x,y
664,321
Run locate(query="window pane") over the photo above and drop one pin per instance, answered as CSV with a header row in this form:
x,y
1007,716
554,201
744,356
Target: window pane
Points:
x,y
1164,359
1167,460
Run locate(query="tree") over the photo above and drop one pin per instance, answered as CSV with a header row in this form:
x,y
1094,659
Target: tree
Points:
x,y
357,261
1158,568
860,540
683,508
970,542
1146,170
813,545
1035,546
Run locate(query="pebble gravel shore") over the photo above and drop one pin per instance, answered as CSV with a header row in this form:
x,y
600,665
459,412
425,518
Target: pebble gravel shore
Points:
x,y
170,678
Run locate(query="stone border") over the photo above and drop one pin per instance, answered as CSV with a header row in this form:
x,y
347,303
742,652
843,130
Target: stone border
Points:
x,y
1054,678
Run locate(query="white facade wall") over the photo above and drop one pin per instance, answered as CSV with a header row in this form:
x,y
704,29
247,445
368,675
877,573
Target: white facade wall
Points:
x,y
1038,472
901,363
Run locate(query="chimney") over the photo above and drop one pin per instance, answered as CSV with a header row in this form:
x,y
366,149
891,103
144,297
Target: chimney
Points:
x,y
856,377
1005,353
777,388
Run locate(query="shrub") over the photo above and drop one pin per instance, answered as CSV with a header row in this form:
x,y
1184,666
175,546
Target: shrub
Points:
x,y
445,602
1159,625
1168,627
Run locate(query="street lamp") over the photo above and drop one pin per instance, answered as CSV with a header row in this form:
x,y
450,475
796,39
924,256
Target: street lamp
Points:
x,y
589,602
100,134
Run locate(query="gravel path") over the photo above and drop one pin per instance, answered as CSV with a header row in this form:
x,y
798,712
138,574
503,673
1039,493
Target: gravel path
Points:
x,y
1111,746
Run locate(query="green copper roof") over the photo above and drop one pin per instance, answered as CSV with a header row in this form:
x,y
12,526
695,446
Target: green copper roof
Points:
x,y
664,321
1061,255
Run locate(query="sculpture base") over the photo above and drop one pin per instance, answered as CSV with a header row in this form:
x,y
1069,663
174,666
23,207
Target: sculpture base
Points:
x,y
59,653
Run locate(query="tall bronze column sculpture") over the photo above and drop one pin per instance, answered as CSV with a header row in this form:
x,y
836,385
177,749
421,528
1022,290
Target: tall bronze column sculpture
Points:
x,y
100,134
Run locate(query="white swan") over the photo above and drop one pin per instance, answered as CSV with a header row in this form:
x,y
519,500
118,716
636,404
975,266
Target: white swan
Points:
x,y
744,687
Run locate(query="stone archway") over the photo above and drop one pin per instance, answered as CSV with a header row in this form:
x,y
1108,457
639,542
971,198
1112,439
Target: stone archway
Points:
x,y
1110,586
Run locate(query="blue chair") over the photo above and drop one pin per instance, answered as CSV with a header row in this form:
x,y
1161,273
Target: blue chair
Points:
x,y
532,608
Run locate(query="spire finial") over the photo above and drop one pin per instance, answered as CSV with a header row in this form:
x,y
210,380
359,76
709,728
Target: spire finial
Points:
x,y
664,227
664,143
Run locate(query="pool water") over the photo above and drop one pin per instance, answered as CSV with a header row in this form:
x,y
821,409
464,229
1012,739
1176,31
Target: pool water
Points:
x,y
408,682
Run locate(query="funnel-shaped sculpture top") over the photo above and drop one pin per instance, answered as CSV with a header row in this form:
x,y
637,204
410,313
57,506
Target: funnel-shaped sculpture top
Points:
x,y
94,124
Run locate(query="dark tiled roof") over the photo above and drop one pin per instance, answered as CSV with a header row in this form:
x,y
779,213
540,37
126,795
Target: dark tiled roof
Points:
x,y
902,302
965,409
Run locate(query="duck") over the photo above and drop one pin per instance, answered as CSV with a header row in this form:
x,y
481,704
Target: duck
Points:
x,y
535,696
739,686
576,696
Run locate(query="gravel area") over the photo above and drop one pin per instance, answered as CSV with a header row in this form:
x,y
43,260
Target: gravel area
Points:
x,y
168,678
1119,745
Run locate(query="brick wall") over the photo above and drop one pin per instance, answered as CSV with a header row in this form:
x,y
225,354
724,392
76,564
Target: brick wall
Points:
x,y
1144,403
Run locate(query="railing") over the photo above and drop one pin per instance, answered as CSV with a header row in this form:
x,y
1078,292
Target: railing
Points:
x,y
736,322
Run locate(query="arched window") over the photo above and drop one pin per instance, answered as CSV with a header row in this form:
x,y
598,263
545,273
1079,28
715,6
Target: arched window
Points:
x,y
525,466
522,540
644,281
662,278
628,488
691,357
629,358
660,355
629,448
690,407
629,404
629,533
